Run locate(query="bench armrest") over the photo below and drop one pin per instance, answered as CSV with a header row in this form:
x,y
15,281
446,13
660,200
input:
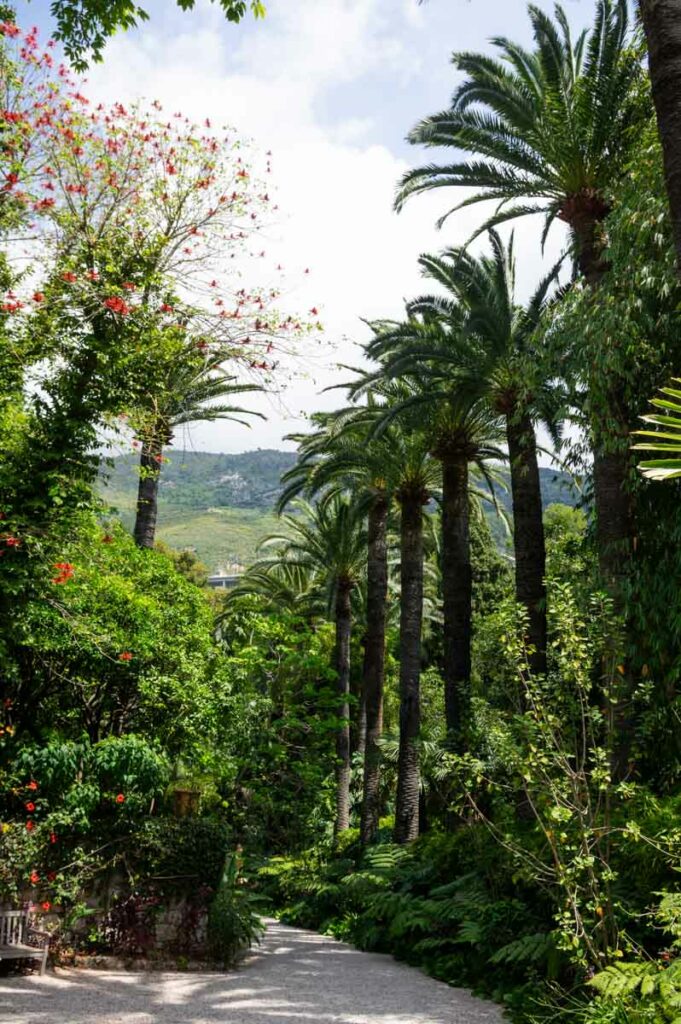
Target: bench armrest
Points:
x,y
37,933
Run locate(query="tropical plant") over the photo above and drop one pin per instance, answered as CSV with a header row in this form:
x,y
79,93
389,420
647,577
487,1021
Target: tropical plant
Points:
x,y
343,455
461,431
488,344
233,921
329,540
554,125
189,389
668,439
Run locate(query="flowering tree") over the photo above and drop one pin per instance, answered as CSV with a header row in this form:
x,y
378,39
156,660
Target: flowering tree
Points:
x,y
136,229
134,220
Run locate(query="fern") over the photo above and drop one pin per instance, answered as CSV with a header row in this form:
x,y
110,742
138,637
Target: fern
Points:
x,y
528,949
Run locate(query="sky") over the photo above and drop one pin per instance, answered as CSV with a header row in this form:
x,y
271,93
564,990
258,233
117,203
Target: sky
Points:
x,y
331,87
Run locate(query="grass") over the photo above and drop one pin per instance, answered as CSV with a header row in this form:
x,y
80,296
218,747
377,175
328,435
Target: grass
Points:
x,y
218,535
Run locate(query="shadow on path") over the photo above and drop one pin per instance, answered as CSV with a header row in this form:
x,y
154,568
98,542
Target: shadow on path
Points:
x,y
295,977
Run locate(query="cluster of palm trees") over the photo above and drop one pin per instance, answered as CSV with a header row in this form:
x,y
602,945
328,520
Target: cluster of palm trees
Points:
x,y
460,385
458,382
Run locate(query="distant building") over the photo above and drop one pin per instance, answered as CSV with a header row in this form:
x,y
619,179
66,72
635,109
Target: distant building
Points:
x,y
226,577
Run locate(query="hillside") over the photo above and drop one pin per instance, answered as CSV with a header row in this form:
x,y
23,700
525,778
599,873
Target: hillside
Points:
x,y
221,505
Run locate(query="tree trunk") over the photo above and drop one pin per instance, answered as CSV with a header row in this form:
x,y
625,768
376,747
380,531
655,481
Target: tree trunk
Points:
x,y
528,534
457,595
613,520
611,429
373,671
411,614
147,494
343,627
662,24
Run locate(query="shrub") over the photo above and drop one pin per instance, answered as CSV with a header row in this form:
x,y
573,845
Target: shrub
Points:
x,y
233,921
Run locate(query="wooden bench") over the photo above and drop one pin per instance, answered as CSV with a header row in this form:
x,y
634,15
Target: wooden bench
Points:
x,y
18,938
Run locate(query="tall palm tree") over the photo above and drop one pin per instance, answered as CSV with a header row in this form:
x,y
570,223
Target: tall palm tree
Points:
x,y
492,350
191,392
418,481
342,456
550,130
462,431
662,24
329,541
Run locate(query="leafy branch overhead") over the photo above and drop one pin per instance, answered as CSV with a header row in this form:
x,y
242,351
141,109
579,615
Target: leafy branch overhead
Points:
x,y
84,26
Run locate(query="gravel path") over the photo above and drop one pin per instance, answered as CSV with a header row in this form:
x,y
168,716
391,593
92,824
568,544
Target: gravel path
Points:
x,y
296,976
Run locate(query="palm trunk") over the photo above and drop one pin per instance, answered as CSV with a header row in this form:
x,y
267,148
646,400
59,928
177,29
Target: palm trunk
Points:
x,y
611,434
411,615
373,671
662,24
343,627
457,594
147,494
528,534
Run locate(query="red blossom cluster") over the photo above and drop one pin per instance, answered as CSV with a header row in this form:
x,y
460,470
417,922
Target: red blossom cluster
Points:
x,y
125,656
66,572
117,305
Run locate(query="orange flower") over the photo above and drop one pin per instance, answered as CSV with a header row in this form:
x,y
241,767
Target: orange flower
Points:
x,y
125,656
32,784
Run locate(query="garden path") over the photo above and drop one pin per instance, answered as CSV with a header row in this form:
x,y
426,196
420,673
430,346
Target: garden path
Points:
x,y
294,977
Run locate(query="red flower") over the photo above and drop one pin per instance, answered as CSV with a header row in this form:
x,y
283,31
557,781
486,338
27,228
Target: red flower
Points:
x,y
30,825
165,308
51,875
117,305
107,539
53,837
30,807
12,542
46,905
125,656
7,28
120,799
35,877
38,297
66,571
92,275
69,277
129,286
32,784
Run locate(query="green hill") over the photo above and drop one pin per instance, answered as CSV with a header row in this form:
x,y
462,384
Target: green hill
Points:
x,y
221,505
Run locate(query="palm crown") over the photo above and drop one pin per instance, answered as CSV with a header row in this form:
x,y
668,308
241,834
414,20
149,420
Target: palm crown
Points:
x,y
551,124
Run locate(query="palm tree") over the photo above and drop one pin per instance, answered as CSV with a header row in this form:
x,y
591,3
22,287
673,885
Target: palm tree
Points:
x,y
668,439
341,455
418,480
328,540
462,431
493,351
662,24
551,129
282,587
191,392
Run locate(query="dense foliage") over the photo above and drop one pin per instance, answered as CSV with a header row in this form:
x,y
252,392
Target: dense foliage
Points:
x,y
438,717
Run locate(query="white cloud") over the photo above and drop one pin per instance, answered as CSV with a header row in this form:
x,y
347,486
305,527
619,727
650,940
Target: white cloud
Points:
x,y
334,187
